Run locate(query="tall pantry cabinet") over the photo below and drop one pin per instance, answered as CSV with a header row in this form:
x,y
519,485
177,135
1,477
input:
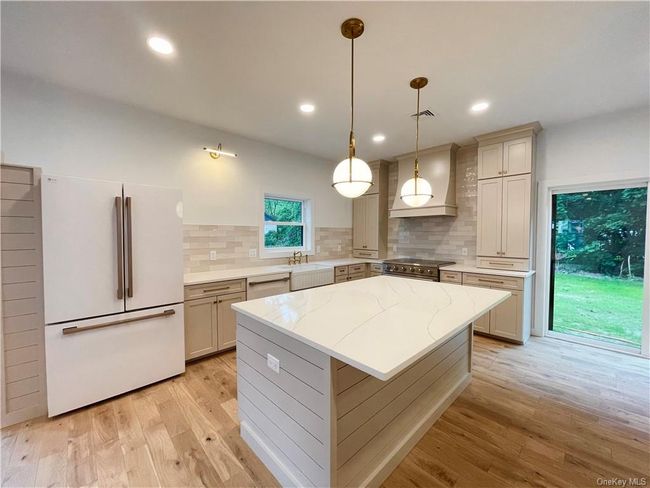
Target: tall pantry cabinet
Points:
x,y
506,210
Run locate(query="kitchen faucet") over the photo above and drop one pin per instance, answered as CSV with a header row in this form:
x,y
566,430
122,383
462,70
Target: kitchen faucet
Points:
x,y
297,258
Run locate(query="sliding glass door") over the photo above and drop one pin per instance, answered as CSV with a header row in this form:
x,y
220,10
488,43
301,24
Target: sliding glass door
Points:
x,y
597,266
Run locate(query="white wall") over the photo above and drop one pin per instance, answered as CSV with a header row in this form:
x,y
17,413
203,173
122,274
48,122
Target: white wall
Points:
x,y
70,133
615,143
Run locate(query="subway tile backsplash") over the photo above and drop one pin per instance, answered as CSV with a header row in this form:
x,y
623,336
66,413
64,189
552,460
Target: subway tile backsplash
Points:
x,y
232,243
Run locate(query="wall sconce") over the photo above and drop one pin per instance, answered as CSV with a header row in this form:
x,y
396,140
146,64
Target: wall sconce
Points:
x,y
216,153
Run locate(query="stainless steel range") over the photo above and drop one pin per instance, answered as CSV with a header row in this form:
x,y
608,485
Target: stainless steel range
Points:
x,y
423,269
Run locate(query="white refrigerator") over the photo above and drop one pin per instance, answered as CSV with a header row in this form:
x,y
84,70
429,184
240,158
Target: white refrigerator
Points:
x,y
113,288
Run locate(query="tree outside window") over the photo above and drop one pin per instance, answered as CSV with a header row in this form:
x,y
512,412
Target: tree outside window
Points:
x,y
284,223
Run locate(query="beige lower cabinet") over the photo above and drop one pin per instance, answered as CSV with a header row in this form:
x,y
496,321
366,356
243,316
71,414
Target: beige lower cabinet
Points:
x,y
350,273
210,324
508,320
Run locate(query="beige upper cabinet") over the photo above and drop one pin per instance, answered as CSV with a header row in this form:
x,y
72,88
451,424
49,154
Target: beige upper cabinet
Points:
x,y
489,215
490,161
507,158
370,216
517,156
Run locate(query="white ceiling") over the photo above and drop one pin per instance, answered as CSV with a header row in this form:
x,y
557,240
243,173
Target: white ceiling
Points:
x,y
245,67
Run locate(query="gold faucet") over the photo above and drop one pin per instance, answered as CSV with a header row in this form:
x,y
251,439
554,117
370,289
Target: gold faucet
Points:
x,y
297,258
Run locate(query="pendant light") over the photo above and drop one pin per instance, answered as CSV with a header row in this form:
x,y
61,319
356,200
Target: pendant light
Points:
x,y
352,176
416,191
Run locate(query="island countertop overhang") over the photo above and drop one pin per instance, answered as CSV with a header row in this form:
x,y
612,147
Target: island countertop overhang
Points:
x,y
378,325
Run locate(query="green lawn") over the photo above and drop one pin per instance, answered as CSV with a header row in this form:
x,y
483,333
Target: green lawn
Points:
x,y
601,305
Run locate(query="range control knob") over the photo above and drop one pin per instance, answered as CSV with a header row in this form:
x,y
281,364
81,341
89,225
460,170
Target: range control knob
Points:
x,y
411,269
420,270
403,268
429,271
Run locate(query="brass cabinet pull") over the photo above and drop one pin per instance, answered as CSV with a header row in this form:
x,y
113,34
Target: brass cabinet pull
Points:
x,y
216,289
120,249
129,245
76,330
491,281
253,283
501,264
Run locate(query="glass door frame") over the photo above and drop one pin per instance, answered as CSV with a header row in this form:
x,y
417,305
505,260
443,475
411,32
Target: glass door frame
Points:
x,y
544,284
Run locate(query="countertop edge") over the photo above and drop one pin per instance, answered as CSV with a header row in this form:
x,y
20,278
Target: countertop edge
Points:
x,y
384,376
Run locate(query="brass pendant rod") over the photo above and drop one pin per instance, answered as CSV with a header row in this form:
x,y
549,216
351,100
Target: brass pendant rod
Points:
x,y
417,143
351,146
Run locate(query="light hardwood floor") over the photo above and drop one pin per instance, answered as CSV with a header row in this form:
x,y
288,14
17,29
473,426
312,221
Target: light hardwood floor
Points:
x,y
550,413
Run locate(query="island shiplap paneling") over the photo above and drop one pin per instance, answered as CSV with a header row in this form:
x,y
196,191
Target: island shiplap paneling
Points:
x,y
23,370
390,429
286,413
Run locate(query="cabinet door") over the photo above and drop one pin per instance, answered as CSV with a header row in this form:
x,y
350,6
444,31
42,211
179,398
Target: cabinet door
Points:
x,y
505,318
488,238
490,161
515,238
200,327
227,320
372,223
518,156
482,324
358,223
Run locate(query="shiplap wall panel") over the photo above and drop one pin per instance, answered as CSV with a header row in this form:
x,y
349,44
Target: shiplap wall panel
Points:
x,y
23,361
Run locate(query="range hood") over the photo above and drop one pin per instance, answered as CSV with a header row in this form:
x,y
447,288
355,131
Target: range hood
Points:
x,y
438,166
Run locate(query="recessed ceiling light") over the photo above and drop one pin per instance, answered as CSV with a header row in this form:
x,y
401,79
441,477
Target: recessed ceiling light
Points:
x,y
480,106
379,138
307,108
160,45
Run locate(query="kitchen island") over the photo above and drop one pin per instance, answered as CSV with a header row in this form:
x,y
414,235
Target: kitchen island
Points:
x,y
336,384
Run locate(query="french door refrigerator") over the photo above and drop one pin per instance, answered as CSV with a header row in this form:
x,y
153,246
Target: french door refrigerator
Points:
x,y
113,288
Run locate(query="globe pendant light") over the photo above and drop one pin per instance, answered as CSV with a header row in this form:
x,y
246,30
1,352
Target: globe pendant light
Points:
x,y
416,191
352,176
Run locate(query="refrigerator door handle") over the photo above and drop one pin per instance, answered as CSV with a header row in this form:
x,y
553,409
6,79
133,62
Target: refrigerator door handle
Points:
x,y
76,330
128,203
120,249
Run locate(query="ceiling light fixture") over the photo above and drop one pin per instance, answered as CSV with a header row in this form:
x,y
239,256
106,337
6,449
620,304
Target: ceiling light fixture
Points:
x,y
416,191
307,108
160,45
480,107
216,153
379,138
352,176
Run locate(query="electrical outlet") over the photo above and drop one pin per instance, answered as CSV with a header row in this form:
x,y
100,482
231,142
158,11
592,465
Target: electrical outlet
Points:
x,y
338,248
463,251
252,253
394,248
317,249
213,255
273,363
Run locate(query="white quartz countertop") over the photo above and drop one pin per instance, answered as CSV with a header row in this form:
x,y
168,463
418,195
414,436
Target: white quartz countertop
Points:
x,y
239,273
497,272
379,325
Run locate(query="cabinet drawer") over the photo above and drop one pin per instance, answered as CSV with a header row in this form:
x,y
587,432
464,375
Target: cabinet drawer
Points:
x,y
492,281
215,288
341,279
356,276
503,263
451,276
363,253
376,268
340,271
357,268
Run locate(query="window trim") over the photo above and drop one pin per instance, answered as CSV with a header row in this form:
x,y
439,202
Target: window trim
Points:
x,y
307,224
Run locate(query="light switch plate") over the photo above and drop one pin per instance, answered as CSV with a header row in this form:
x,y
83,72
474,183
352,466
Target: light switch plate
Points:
x,y
317,249
464,251
213,255
252,253
338,248
273,363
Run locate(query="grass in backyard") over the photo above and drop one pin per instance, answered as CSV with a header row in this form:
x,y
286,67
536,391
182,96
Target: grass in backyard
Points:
x,y
609,307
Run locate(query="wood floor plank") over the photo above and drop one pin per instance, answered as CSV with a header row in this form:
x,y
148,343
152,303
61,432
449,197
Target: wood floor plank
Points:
x,y
546,414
